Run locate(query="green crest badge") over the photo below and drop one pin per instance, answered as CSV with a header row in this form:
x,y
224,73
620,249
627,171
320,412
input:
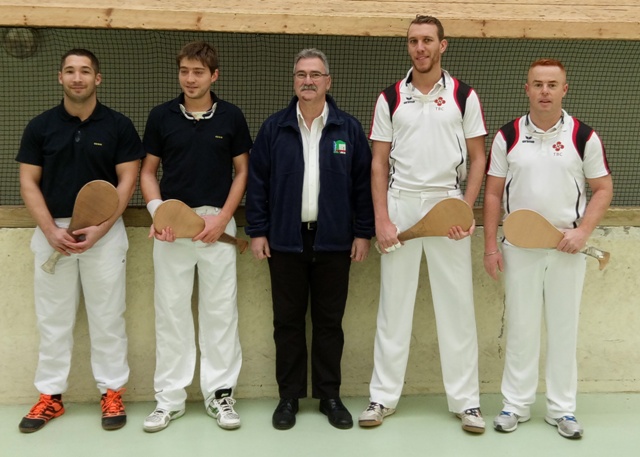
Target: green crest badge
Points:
x,y
339,147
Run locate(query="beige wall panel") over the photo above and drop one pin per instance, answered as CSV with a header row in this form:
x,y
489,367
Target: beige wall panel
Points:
x,y
608,357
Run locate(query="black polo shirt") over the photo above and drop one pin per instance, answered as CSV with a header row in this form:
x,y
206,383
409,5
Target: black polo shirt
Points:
x,y
72,152
197,156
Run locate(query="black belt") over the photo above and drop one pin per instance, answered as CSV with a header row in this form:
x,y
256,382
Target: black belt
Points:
x,y
310,226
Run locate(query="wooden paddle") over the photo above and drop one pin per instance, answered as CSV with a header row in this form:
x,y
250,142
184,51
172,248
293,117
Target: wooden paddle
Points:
x,y
96,202
526,228
447,213
186,223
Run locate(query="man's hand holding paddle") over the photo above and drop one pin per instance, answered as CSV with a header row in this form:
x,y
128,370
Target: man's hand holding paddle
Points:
x,y
450,217
387,237
96,203
214,226
173,219
87,237
573,240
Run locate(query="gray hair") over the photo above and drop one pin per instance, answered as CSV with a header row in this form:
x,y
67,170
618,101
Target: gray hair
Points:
x,y
311,53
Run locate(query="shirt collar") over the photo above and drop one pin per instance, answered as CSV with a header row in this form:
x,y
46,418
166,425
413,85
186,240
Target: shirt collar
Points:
x,y
98,112
445,77
324,115
200,115
535,129
216,107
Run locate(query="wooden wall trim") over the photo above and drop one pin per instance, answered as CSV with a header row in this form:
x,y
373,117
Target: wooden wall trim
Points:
x,y
18,217
536,19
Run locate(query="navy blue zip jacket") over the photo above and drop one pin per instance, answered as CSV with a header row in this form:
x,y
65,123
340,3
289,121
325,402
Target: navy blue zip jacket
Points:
x,y
276,172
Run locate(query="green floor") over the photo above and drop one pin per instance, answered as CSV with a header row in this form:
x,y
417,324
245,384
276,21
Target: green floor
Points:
x,y
421,427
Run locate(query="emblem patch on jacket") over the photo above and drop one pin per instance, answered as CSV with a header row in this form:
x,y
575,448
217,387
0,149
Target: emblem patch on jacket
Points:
x,y
339,147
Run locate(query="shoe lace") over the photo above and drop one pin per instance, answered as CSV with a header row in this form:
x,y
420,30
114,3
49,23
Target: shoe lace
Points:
x,y
373,406
113,402
473,412
226,405
43,404
568,419
158,414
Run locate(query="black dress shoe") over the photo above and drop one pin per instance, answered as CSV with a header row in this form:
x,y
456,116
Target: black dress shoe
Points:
x,y
337,413
284,417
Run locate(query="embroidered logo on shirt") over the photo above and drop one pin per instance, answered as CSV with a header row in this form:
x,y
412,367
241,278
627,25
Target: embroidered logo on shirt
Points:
x,y
558,147
339,147
439,103
528,139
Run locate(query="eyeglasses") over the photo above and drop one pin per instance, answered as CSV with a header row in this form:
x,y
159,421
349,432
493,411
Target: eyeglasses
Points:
x,y
314,75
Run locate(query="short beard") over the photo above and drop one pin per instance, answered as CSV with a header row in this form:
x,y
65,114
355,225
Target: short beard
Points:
x,y
78,98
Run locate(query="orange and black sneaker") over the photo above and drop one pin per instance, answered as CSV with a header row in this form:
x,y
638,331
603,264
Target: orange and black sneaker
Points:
x,y
47,408
113,414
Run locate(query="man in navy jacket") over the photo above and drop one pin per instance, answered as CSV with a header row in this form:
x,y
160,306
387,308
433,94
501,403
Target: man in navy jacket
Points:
x,y
309,211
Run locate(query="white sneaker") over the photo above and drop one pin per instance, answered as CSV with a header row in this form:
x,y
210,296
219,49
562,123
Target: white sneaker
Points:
x,y
507,421
159,419
568,426
374,414
472,420
222,410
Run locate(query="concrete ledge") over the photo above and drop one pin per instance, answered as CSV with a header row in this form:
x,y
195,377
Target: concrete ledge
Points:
x,y
18,217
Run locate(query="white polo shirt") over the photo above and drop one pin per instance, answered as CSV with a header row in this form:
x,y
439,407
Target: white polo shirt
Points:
x,y
544,170
428,135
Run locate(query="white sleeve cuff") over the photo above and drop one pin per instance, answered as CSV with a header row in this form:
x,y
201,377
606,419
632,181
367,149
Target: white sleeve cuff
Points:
x,y
152,206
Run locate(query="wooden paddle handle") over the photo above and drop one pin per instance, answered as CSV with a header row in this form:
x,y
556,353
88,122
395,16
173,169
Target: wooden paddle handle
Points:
x,y
601,256
50,265
239,242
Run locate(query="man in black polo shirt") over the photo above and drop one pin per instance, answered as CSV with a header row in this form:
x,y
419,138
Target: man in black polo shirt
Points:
x,y
62,149
199,139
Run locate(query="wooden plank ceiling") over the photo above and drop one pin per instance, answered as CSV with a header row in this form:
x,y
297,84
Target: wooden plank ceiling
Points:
x,y
570,19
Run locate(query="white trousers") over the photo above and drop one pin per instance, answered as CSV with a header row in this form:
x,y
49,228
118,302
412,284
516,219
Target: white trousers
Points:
x,y
100,273
541,283
220,354
449,264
